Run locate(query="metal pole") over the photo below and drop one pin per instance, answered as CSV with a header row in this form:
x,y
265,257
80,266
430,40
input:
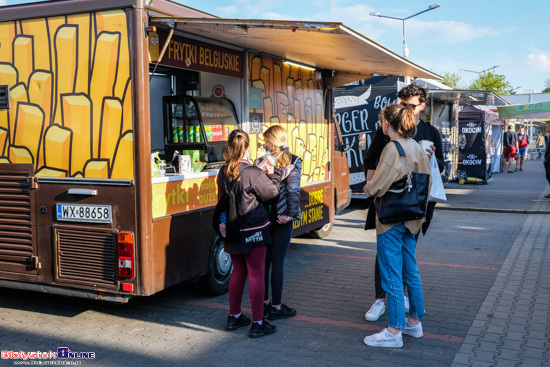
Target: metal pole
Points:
x,y
404,43
405,50
479,77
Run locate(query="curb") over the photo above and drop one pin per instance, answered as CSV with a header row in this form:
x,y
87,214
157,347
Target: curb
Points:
x,y
493,210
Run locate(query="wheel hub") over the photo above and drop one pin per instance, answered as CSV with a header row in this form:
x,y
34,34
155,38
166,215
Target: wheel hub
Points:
x,y
223,262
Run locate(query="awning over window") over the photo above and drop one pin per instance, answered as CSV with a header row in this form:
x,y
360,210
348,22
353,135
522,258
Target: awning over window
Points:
x,y
468,97
329,46
540,110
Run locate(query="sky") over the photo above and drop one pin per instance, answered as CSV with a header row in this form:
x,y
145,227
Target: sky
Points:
x,y
466,34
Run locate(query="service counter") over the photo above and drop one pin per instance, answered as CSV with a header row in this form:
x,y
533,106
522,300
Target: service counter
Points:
x,y
171,177
175,194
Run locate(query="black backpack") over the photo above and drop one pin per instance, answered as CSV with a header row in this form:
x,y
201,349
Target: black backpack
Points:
x,y
226,212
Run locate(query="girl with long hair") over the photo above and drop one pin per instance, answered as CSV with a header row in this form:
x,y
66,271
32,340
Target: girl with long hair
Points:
x,y
396,242
253,189
286,210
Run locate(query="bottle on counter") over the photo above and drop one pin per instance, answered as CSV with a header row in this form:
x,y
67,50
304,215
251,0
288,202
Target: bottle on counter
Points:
x,y
180,133
208,130
198,135
175,136
190,132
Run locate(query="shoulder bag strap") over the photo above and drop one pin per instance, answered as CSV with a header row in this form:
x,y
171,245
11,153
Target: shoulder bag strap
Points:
x,y
235,180
404,157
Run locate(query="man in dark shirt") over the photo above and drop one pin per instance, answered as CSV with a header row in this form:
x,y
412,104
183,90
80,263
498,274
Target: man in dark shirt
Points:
x,y
510,142
411,95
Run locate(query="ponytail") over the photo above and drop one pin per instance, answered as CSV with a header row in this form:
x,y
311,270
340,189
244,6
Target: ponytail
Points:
x,y
407,126
401,118
237,145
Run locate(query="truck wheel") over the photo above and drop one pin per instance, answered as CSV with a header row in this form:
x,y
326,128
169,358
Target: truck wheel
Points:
x,y
216,281
322,232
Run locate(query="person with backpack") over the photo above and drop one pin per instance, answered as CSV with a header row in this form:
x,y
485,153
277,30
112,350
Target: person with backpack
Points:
x,y
246,236
414,96
283,213
523,142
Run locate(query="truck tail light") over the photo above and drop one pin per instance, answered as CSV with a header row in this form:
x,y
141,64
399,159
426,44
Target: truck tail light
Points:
x,y
125,248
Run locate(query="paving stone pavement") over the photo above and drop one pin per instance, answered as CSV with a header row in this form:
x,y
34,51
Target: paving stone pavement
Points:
x,y
512,327
485,270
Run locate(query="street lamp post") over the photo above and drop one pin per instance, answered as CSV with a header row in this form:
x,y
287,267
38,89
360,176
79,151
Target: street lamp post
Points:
x,y
405,48
481,72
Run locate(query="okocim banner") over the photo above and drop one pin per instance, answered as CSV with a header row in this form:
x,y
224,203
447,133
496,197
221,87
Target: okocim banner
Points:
x,y
472,154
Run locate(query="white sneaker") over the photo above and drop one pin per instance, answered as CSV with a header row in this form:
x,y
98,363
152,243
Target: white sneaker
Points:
x,y
413,330
376,310
406,304
384,339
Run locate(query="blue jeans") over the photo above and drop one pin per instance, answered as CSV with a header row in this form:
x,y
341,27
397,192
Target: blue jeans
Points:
x,y
397,261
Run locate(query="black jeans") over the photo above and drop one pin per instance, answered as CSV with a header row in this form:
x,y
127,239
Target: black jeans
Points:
x,y
547,169
275,259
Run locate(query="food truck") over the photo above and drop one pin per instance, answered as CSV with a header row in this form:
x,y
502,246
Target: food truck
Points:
x,y
95,94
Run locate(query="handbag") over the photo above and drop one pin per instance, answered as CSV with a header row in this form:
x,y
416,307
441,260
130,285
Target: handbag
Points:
x,y
406,199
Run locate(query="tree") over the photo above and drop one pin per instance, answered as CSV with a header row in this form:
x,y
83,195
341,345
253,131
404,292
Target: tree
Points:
x,y
546,86
492,82
451,79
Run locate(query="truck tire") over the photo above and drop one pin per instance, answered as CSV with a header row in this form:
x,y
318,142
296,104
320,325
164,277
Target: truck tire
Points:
x,y
216,281
325,230
322,232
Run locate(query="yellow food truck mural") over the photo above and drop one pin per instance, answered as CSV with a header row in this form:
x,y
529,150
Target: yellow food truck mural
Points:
x,y
291,96
70,95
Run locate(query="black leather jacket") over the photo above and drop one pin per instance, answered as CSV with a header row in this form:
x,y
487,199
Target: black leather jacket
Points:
x,y
289,191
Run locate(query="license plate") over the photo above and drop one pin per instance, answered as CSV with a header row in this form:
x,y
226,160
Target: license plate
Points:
x,y
84,213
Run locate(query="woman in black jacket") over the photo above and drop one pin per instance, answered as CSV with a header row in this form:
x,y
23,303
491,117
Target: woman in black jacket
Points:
x,y
282,214
252,189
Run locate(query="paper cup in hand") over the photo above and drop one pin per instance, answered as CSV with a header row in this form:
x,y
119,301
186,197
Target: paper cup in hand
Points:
x,y
426,144
267,160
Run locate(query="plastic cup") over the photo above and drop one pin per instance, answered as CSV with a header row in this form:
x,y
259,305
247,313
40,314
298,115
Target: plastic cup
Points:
x,y
162,168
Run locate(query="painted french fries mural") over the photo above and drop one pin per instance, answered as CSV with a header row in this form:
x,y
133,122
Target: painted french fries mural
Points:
x,y
291,97
70,95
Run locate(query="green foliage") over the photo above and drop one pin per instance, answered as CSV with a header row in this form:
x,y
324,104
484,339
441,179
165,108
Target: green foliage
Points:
x,y
492,82
546,86
451,79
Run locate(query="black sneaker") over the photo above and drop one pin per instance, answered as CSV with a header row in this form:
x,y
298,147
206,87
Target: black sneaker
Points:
x,y
234,323
281,313
257,330
547,196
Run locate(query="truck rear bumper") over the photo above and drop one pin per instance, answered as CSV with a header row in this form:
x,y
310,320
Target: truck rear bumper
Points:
x,y
64,291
